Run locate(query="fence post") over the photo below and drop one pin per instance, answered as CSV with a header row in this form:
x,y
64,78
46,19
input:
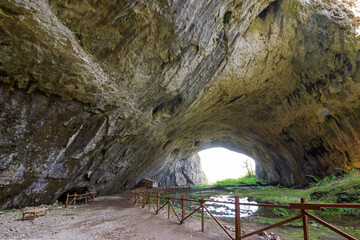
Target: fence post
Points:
x,y
202,214
183,208
143,200
75,199
168,207
237,218
139,198
305,221
158,202
67,200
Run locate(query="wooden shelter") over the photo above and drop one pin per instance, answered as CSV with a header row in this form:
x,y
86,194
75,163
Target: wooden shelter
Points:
x,y
148,183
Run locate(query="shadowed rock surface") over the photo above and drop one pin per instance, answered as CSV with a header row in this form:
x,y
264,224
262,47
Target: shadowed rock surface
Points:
x,y
100,94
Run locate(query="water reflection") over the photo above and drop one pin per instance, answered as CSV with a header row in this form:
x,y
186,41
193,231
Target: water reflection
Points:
x,y
228,209
339,218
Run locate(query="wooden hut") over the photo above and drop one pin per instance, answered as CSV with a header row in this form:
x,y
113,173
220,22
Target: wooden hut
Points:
x,y
148,183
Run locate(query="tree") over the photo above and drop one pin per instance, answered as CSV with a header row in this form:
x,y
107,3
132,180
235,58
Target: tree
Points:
x,y
249,168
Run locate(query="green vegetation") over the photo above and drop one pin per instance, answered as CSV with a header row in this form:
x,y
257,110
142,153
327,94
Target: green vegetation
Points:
x,y
230,182
294,230
244,180
341,189
272,194
331,189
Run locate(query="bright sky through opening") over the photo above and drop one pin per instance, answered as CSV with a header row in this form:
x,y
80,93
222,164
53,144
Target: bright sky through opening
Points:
x,y
220,163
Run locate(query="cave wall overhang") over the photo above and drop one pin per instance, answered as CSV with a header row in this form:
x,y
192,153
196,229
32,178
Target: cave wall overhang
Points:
x,y
100,94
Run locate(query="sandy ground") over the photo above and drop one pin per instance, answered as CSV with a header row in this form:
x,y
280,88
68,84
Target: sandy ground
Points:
x,y
112,217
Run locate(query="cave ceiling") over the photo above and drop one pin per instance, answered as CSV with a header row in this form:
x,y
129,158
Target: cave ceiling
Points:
x,y
100,94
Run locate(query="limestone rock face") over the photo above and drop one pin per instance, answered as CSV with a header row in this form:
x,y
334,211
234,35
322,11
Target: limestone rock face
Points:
x,y
100,94
181,173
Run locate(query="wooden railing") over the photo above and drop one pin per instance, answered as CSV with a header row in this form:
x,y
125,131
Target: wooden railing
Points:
x,y
174,187
169,188
72,198
146,196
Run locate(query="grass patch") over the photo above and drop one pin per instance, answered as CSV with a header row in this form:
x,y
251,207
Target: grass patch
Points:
x,y
340,189
273,194
247,180
238,181
331,189
294,230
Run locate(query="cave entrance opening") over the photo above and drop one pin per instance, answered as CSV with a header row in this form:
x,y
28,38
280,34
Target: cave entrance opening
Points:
x,y
220,163
77,190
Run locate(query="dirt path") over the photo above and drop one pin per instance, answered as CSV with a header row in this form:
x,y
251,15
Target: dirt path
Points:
x,y
112,217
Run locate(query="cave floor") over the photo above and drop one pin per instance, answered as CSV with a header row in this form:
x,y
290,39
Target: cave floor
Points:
x,y
111,217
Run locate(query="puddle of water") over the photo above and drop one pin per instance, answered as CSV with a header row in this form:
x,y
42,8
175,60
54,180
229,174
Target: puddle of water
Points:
x,y
228,209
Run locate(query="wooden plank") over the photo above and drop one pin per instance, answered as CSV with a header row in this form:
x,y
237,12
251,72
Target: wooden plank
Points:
x,y
305,222
191,214
161,207
182,208
202,214
143,200
345,235
317,206
67,200
169,208
35,210
152,204
306,206
217,221
158,202
237,218
272,226
175,212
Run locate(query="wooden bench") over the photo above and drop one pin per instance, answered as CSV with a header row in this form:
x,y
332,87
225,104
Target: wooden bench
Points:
x,y
34,212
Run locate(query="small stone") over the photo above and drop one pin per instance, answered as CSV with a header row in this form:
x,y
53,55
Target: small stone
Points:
x,y
315,225
264,233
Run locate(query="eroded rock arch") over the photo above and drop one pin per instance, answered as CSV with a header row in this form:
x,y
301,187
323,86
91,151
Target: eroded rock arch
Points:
x,y
100,94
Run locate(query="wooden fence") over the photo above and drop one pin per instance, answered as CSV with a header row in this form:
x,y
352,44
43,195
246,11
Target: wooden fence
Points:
x,y
146,196
72,198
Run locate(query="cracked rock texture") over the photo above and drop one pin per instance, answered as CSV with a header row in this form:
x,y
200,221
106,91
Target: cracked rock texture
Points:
x,y
99,94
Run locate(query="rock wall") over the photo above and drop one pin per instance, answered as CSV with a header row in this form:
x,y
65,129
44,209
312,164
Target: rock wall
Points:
x,y
182,173
99,94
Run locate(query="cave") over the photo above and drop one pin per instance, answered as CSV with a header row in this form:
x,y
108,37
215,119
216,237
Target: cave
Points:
x,y
77,190
105,93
